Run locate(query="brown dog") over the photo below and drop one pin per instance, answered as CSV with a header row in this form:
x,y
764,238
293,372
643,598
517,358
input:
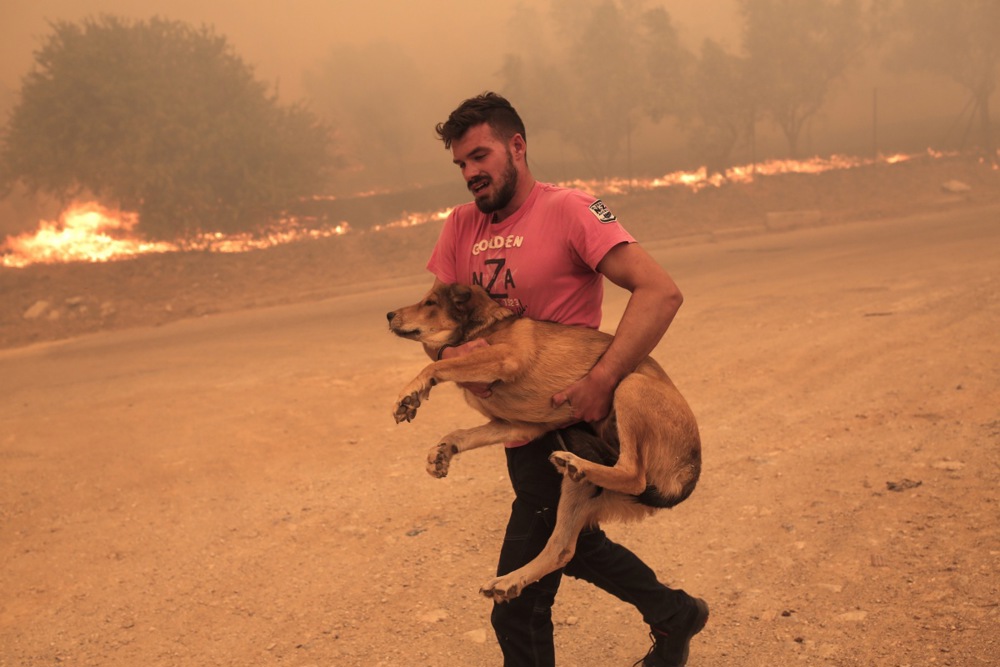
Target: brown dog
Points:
x,y
527,362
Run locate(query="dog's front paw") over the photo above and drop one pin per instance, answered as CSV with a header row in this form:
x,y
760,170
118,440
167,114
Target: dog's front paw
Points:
x,y
409,399
406,407
502,589
439,459
567,464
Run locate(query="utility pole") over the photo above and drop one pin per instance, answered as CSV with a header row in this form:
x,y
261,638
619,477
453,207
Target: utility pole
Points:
x,y
875,124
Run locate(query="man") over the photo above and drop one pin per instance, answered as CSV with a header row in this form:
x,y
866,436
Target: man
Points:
x,y
543,252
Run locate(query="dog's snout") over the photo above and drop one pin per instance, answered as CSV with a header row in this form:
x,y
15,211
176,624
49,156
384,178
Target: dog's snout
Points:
x,y
390,315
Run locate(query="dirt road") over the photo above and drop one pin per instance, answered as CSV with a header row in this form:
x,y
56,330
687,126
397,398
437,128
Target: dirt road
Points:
x,y
232,490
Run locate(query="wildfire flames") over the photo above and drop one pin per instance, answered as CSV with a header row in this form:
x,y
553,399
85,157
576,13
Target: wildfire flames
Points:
x,y
88,232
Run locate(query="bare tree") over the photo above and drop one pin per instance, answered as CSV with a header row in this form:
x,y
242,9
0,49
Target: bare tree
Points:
x,y
959,39
796,51
377,97
723,110
599,69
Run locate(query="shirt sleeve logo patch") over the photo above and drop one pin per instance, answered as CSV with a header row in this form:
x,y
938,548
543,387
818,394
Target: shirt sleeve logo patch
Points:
x,y
602,212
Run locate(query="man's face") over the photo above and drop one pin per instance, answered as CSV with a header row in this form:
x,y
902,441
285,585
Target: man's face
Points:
x,y
487,167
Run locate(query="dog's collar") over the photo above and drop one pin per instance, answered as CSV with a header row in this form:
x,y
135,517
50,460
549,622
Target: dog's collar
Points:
x,y
443,348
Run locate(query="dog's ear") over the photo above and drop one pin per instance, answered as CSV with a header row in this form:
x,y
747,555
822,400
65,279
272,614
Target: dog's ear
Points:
x,y
460,294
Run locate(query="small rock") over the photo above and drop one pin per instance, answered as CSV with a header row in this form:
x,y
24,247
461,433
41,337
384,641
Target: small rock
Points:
x,y
476,636
955,187
903,485
853,616
36,310
937,596
434,616
74,302
948,465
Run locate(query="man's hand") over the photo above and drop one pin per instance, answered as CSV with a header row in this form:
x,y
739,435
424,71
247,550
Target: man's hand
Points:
x,y
589,397
480,389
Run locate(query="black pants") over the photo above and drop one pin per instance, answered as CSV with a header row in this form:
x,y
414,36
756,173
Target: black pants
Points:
x,y
524,625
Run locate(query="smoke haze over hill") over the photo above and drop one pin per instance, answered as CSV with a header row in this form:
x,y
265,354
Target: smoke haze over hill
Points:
x,y
437,53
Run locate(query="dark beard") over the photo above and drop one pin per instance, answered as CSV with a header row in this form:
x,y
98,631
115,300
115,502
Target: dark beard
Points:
x,y
506,192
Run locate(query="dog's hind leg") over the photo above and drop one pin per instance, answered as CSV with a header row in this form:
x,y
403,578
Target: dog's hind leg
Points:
x,y
659,447
492,433
575,512
628,474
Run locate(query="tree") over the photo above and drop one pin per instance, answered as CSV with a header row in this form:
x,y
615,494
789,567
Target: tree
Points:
x,y
796,50
7,98
723,105
378,98
960,40
160,118
606,65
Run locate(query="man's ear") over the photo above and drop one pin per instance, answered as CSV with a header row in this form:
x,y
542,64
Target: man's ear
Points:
x,y
518,146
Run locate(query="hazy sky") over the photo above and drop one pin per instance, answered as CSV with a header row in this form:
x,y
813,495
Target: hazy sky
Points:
x,y
461,40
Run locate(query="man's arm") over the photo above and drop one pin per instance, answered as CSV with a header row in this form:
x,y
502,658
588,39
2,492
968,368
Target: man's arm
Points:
x,y
651,308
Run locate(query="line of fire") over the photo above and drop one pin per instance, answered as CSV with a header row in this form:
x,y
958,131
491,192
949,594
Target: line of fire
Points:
x,y
89,232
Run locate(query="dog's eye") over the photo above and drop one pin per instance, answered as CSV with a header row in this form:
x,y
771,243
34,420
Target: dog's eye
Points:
x,y
429,303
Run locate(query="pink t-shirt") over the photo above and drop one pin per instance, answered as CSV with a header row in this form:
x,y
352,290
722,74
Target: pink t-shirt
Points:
x,y
540,262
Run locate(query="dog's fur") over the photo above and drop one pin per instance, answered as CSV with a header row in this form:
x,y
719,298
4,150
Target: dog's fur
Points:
x,y
527,362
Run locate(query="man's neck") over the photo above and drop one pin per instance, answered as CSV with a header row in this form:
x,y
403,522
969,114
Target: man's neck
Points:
x,y
524,187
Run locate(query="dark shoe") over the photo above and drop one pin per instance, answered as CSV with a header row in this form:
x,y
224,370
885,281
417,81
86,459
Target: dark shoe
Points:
x,y
671,644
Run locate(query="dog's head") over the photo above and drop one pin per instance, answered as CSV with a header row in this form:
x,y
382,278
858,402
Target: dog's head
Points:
x,y
448,315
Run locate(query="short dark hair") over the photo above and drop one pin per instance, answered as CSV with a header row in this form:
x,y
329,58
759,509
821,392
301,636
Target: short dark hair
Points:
x,y
488,108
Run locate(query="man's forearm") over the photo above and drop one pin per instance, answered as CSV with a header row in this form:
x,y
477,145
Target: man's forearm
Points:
x,y
646,319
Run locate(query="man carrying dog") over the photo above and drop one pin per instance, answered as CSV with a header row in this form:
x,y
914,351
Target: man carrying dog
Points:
x,y
543,251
